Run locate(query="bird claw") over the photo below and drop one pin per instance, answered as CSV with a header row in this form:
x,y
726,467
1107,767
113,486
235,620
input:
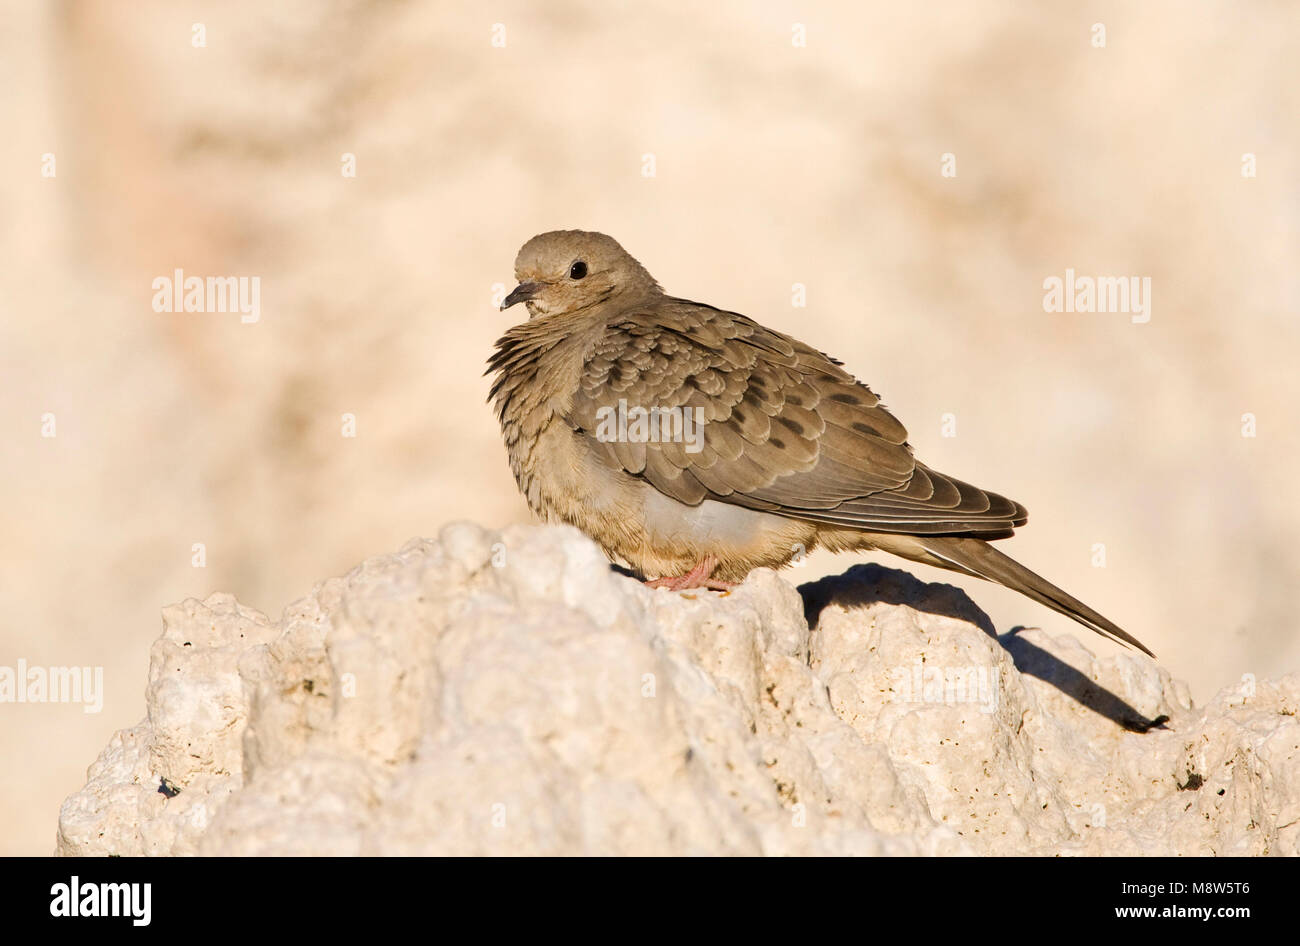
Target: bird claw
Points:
x,y
697,577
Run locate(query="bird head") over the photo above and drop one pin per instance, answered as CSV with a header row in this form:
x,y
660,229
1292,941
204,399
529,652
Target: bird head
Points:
x,y
566,271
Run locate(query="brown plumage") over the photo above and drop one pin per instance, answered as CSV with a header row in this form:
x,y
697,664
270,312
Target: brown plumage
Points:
x,y
791,452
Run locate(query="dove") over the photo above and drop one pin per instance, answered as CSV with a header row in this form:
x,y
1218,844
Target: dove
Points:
x,y
694,444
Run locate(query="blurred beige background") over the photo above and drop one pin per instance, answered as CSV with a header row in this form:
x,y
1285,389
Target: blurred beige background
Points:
x,y
775,165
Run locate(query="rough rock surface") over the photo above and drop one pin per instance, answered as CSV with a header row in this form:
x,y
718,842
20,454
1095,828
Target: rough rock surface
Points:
x,y
508,693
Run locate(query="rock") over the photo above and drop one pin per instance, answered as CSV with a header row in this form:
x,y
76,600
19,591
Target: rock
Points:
x,y
510,693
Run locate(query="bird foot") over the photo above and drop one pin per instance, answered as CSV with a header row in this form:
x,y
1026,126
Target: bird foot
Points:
x,y
697,577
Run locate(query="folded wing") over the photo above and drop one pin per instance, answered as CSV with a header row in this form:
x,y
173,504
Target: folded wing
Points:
x,y
784,428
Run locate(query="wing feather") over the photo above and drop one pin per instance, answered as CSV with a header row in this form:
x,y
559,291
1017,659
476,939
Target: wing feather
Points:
x,y
784,427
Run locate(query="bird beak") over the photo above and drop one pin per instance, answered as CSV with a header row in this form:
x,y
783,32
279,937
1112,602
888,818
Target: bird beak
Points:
x,y
521,293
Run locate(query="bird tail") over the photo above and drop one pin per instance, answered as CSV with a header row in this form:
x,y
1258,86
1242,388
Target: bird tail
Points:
x,y
976,557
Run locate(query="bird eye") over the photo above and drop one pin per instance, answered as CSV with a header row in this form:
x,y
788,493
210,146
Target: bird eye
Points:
x,y
578,270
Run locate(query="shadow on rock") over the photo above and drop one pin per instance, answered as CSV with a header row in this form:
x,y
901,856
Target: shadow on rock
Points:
x,y
864,585
1032,660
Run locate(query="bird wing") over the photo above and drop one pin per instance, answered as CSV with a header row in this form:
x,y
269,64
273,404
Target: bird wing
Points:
x,y
785,429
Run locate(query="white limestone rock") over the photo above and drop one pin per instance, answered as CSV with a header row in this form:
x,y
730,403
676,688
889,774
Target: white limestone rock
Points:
x,y
508,693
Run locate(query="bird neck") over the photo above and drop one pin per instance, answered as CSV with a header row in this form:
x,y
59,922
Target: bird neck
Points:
x,y
538,363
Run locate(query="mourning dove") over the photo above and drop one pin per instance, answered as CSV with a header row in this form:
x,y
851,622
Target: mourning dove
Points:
x,y
695,445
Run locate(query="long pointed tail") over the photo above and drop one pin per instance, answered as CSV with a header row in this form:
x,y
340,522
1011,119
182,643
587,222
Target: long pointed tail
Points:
x,y
976,557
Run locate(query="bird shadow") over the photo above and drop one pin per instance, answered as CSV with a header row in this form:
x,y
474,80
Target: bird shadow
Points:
x,y
864,585
1033,660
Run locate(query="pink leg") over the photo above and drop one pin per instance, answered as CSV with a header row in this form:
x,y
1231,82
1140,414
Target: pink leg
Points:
x,y
697,577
